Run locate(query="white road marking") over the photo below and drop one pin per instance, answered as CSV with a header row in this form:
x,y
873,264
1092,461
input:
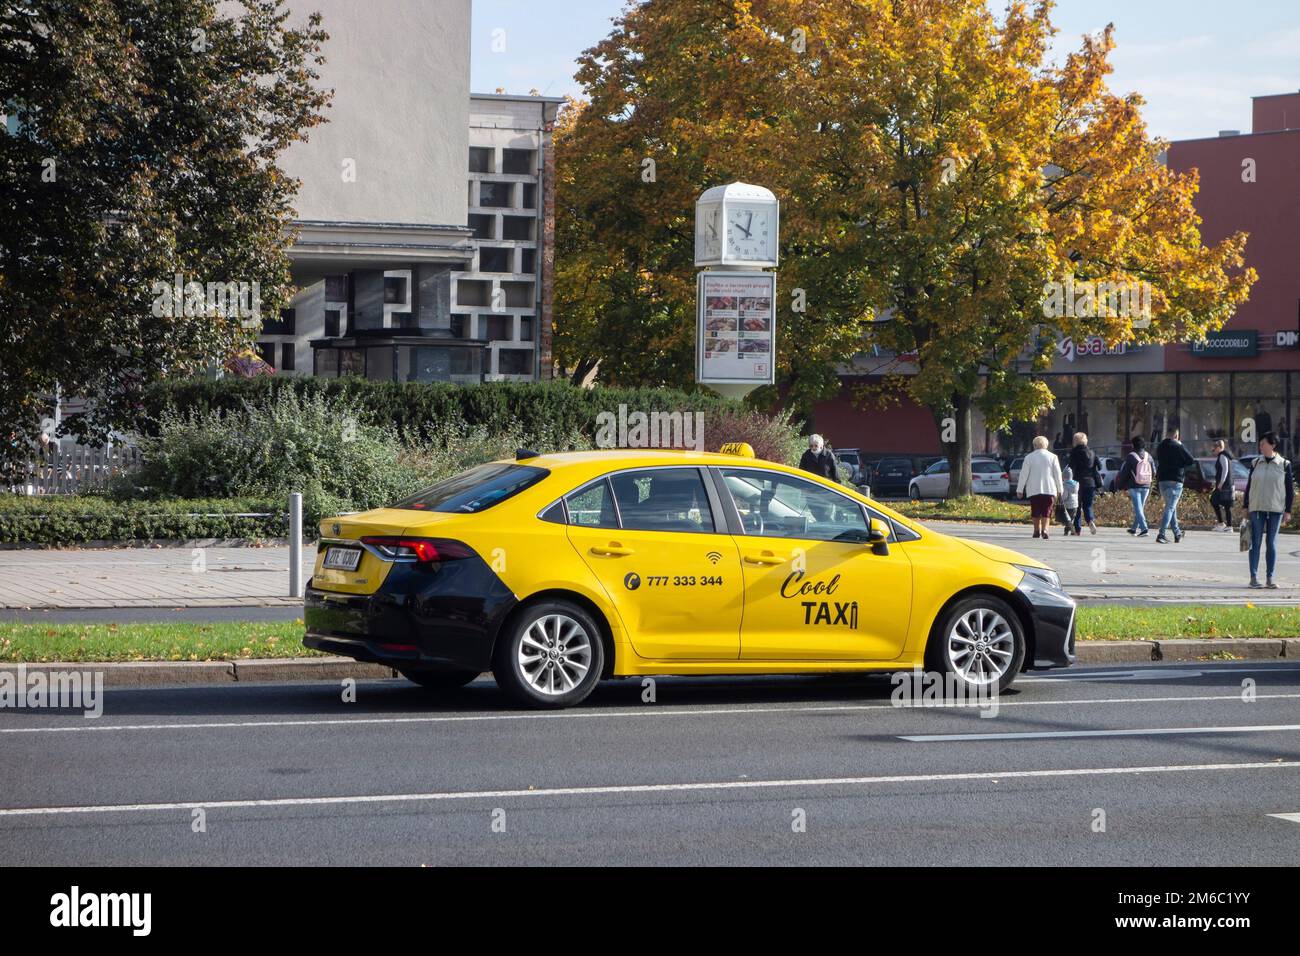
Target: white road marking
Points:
x,y
1291,817
1144,732
98,726
632,788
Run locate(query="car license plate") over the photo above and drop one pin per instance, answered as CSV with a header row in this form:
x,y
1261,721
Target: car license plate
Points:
x,y
342,559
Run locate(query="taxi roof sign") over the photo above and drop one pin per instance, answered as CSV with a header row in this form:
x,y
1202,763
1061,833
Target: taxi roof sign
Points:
x,y
743,449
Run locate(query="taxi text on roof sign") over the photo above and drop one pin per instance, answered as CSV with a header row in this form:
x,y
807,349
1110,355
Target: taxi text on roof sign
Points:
x,y
743,449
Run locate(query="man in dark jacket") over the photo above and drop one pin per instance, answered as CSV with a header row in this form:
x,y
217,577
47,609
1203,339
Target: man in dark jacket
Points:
x,y
1172,460
818,459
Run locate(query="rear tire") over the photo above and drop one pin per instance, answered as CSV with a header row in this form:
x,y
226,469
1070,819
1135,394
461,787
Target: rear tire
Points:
x,y
550,655
440,680
980,641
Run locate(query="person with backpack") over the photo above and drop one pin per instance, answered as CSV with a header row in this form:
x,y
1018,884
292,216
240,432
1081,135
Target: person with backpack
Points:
x,y
1172,462
1221,495
1135,477
1270,492
1087,472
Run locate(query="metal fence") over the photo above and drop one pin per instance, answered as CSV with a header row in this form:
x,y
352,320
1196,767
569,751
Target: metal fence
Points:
x,y
76,468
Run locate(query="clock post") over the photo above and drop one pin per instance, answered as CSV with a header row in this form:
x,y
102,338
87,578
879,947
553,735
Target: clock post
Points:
x,y
736,241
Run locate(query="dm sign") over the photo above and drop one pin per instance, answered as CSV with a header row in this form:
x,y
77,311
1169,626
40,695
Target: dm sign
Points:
x,y
1240,343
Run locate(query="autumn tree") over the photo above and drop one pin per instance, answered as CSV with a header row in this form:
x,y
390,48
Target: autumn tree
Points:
x,y
142,144
943,183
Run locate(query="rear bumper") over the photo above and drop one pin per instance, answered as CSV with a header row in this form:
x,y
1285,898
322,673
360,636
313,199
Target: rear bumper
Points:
x,y
444,616
1052,613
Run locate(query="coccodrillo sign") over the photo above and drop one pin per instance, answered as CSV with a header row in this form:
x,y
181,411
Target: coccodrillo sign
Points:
x,y
1235,344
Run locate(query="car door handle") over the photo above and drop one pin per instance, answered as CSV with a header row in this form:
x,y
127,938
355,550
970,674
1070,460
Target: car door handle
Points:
x,y
611,550
767,557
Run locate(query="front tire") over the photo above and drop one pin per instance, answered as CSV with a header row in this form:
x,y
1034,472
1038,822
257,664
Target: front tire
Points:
x,y
980,641
549,656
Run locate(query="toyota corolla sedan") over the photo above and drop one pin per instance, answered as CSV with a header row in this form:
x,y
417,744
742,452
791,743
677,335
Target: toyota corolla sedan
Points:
x,y
555,572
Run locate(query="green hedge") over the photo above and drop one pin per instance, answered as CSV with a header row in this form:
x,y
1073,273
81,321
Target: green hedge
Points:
x,y
75,519
419,412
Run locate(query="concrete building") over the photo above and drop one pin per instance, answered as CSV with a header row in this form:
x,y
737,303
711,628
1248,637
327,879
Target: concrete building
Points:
x,y
1251,369
418,257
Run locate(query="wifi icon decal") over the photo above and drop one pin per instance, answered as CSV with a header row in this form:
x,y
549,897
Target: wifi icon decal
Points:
x,y
714,557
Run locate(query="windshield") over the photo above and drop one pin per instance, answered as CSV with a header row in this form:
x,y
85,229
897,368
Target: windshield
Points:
x,y
986,467
475,490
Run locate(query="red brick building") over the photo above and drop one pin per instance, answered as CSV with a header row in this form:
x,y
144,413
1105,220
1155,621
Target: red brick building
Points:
x,y
1248,182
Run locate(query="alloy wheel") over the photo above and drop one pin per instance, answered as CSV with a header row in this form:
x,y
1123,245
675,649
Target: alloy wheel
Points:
x,y
981,646
554,654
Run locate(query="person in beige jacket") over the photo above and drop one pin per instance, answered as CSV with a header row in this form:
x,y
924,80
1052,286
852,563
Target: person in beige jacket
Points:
x,y
1040,480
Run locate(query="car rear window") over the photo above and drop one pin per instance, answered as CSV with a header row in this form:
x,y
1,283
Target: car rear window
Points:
x,y
894,463
475,490
986,467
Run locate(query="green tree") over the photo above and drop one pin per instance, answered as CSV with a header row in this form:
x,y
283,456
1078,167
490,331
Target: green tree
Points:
x,y
146,140
938,175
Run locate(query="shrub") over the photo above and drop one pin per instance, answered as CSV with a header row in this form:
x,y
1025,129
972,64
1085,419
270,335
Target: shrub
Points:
x,y
75,519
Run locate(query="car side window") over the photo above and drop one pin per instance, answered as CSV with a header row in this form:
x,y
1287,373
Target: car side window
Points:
x,y
593,506
663,499
938,468
774,505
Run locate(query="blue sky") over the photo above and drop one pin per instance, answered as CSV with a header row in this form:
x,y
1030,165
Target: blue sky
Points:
x,y
1197,62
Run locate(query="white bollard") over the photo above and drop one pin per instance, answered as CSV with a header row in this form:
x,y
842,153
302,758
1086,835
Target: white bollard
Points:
x,y
295,545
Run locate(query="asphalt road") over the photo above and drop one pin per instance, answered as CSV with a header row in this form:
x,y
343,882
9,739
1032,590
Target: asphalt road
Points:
x,y
718,771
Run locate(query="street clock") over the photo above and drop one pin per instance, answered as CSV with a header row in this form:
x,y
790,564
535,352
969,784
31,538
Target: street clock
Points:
x,y
737,225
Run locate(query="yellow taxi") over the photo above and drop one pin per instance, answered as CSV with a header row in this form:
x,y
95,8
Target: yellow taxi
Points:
x,y
557,571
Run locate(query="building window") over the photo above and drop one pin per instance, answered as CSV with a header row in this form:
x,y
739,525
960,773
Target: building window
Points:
x,y
483,226
1152,412
518,162
1101,413
480,159
515,361
266,352
281,326
530,196
287,357
519,295
500,328
494,195
525,328
1260,397
394,290
336,288
403,320
352,362
473,291
1203,413
459,327
493,259
528,261
333,322
517,227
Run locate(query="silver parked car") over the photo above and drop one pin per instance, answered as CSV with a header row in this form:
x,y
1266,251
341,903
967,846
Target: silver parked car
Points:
x,y
987,478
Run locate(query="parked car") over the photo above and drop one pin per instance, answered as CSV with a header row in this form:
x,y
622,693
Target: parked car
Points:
x,y
987,478
1110,466
1013,470
851,458
1200,477
892,477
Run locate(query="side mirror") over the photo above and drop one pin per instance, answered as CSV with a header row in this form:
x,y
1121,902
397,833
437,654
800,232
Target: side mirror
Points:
x,y
878,536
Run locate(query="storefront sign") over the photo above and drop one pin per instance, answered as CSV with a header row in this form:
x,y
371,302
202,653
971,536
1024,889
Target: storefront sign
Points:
x,y
1241,343
1071,349
736,335
1287,339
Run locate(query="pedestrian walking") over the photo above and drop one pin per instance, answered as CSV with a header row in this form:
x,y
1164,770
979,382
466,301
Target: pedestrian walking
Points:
x,y
1087,472
1270,492
1070,499
1040,480
1135,477
819,460
1222,494
1172,461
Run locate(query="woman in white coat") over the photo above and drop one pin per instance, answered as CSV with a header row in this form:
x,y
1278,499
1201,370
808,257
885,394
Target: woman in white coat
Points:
x,y
1040,480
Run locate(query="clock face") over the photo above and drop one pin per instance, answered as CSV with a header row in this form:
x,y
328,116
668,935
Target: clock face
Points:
x,y
751,233
708,232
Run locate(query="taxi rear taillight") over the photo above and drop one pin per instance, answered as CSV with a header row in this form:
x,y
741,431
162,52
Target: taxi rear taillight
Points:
x,y
416,550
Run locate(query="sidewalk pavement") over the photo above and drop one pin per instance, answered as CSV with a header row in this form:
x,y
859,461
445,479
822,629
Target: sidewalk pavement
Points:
x,y
1109,567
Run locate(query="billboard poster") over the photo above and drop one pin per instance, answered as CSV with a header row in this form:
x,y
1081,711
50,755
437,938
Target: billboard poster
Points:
x,y
736,332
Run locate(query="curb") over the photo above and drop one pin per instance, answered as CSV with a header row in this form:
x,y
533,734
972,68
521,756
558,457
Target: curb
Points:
x,y
289,669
